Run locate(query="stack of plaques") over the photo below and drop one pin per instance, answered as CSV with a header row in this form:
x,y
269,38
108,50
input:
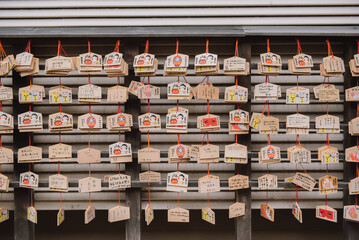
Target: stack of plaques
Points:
x,y
270,64
145,64
235,66
60,121
332,66
176,65
90,63
119,122
149,122
301,64
177,120
59,66
27,64
6,65
206,64
6,123
114,65
89,122
30,122
238,122
208,123
354,66
269,154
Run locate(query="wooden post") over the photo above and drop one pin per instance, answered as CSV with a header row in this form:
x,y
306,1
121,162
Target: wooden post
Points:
x,y
243,229
23,229
133,106
350,229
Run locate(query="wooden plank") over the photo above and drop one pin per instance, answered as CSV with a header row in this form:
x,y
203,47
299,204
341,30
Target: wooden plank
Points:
x,y
350,229
23,229
132,106
162,3
243,225
178,12
206,21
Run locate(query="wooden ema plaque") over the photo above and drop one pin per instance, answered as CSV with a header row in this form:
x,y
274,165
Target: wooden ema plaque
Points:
x,y
6,123
176,65
354,186
303,60
177,122
118,213
31,94
4,214
119,122
351,213
236,153
29,122
88,155
120,152
236,66
178,215
268,181
269,154
179,91
146,71
60,94
89,184
327,124
206,91
29,154
298,154
208,184
32,214
60,152
119,181
59,65
298,95
208,123
29,180
208,215
150,176
149,92
292,68
328,154
270,59
4,183
5,93
60,216
134,88
354,69
90,214
268,125
89,122
333,64
267,92
238,122
117,94
60,121
352,94
353,127
58,183
326,213
268,70
328,184
208,153
305,181
255,120
149,214
89,94
149,122
179,153
177,182
114,65
297,212
297,124
237,210
89,63
236,94
206,64
148,155
267,212
238,182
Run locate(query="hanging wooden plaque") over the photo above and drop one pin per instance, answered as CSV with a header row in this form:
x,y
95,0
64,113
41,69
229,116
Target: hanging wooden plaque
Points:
x,y
268,181
270,59
208,184
267,212
60,122
118,213
328,154
236,94
236,153
60,94
327,124
305,181
117,94
352,94
30,121
351,213
6,155
149,122
31,94
178,91
238,182
150,176
328,184
298,95
354,186
237,210
208,122
255,120
267,91
303,61
90,214
89,184
179,153
208,153
60,152
4,183
149,214
89,122
326,213
269,154
58,183
5,93
134,87
32,214
29,180
4,214
88,155
208,215
89,94
120,152
149,92
297,212
29,154
178,215
119,181
60,216
119,122
177,182
148,155
269,125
